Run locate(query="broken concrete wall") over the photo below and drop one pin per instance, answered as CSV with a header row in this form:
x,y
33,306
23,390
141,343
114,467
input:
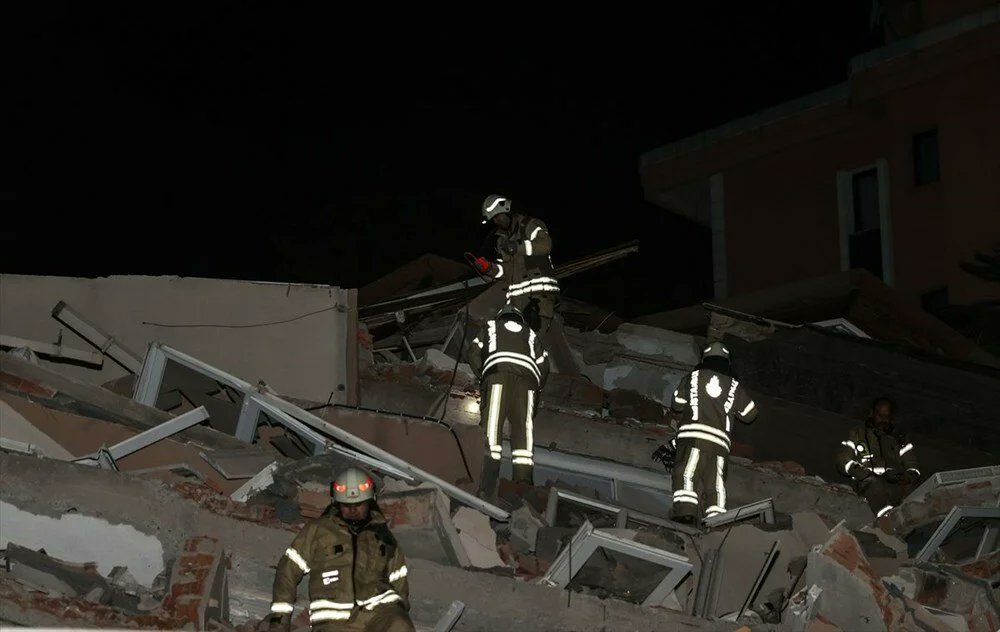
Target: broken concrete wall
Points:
x,y
32,484
303,352
80,538
635,357
849,593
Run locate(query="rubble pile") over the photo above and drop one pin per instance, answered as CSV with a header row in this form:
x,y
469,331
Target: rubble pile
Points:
x,y
163,497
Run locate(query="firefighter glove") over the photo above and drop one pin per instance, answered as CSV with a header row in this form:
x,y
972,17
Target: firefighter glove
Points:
x,y
860,472
665,454
507,247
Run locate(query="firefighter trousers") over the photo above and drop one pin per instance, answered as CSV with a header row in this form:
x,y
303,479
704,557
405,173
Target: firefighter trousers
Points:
x,y
699,479
881,495
546,310
506,397
384,618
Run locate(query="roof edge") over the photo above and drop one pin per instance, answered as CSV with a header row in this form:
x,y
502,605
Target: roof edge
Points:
x,y
858,63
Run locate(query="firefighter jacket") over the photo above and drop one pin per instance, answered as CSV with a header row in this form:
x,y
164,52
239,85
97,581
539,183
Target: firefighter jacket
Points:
x,y
512,348
709,400
528,271
870,450
348,571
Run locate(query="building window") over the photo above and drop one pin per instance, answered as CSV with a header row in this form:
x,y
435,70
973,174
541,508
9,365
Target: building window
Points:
x,y
926,166
866,233
865,226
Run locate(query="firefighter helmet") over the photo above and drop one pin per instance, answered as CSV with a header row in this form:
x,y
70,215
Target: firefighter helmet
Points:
x,y
494,205
353,486
715,350
511,317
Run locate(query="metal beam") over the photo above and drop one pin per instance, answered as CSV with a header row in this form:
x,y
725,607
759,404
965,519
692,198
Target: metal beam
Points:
x,y
126,358
149,383
156,433
54,352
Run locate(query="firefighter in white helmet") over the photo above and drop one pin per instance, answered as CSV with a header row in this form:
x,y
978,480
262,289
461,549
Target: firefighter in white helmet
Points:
x,y
708,399
357,572
523,263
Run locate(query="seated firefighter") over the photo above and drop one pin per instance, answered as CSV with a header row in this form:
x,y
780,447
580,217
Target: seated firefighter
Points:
x,y
880,460
708,398
512,367
357,573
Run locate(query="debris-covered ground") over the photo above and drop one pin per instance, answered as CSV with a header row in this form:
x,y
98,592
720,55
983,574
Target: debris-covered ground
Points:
x,y
157,484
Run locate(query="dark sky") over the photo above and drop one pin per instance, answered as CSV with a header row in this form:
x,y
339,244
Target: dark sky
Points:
x,y
277,143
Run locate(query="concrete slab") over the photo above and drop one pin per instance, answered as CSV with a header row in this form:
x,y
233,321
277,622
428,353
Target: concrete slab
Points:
x,y
478,538
84,435
742,556
14,426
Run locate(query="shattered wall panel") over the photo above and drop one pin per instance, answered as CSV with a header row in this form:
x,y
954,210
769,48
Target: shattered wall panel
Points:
x,y
82,435
82,538
305,357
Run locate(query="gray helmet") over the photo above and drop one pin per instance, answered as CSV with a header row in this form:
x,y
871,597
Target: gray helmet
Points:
x,y
715,350
494,205
353,486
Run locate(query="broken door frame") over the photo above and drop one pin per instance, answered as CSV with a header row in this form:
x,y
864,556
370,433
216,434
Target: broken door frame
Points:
x,y
588,539
255,400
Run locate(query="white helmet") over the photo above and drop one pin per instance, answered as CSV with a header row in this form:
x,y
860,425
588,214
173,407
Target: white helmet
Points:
x,y
353,486
494,205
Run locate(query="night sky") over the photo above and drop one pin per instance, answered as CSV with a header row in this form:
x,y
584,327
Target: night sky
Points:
x,y
275,143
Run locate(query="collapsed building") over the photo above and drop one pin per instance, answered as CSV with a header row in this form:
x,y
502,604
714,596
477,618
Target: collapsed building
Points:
x,y
163,440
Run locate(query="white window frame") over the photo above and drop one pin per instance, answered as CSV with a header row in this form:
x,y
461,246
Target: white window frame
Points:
x,y
845,207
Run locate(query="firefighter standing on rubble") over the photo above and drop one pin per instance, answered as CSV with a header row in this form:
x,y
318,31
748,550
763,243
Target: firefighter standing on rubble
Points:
x,y
512,367
880,459
357,573
708,398
524,262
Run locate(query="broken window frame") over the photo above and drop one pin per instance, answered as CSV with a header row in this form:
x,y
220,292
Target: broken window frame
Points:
x,y
763,508
615,476
587,540
263,399
623,515
986,545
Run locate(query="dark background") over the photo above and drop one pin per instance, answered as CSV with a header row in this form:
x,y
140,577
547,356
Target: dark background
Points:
x,y
268,142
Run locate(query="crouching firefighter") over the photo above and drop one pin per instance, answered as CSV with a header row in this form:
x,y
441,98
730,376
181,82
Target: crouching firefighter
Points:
x,y
880,459
512,368
708,399
357,573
